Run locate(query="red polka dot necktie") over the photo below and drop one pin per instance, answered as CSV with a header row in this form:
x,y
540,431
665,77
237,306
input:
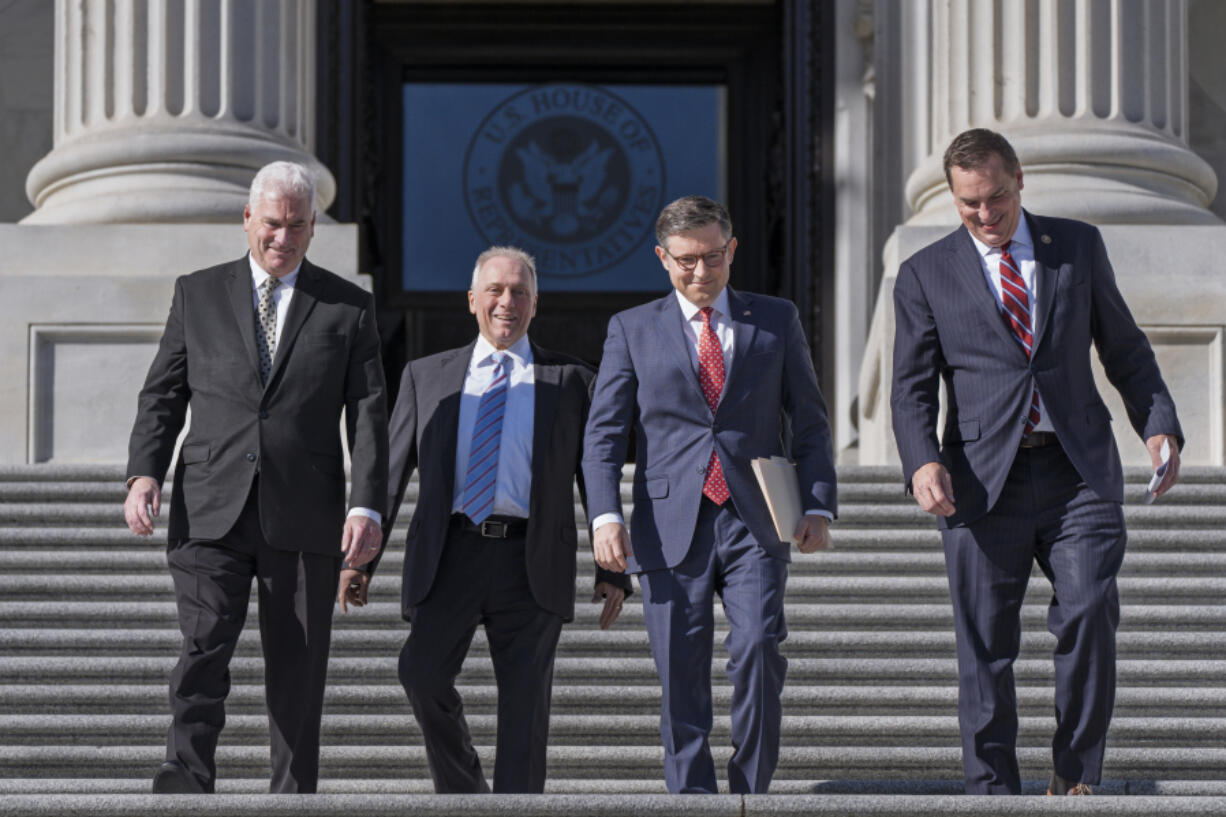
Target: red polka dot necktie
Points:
x,y
1017,309
711,378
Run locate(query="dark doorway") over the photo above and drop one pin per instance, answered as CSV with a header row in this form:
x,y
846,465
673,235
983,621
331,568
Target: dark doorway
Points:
x,y
748,70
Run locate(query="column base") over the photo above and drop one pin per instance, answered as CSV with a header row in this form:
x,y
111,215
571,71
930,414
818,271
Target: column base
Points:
x,y
82,314
1170,280
154,175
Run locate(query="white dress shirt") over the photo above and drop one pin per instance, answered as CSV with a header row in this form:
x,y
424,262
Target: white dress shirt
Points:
x,y
721,322
281,296
513,489
1021,247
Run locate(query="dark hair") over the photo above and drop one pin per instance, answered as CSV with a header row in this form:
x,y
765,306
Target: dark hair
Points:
x,y
974,148
691,213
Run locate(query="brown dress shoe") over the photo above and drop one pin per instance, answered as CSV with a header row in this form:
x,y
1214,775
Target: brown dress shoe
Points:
x,y
1059,785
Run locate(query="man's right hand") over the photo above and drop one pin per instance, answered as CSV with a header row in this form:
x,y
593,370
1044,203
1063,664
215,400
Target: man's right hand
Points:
x,y
142,506
933,489
611,547
352,588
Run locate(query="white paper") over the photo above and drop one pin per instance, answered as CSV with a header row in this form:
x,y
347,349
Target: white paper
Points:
x,y
1156,479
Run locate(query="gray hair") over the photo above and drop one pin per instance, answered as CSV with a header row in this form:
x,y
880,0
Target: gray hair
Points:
x,y
514,253
691,213
282,179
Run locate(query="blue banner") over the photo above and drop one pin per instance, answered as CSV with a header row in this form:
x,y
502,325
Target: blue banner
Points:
x,y
575,174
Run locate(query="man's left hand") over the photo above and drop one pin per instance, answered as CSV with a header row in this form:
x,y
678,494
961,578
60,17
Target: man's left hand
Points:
x,y
613,597
812,533
360,540
1154,446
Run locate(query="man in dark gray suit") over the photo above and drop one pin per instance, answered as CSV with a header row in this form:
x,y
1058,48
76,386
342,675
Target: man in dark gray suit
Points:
x,y
270,352
1004,310
708,378
496,430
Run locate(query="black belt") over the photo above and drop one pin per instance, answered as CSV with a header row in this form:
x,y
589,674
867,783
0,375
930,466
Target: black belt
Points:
x,y
1040,439
492,527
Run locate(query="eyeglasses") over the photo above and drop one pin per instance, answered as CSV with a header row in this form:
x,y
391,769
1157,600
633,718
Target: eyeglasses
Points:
x,y
712,259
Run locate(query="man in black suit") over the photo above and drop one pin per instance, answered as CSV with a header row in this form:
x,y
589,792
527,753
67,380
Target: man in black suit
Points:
x,y
1005,310
496,428
269,351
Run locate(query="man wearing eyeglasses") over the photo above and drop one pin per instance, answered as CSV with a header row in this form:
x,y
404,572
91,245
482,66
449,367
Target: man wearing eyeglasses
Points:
x,y
706,377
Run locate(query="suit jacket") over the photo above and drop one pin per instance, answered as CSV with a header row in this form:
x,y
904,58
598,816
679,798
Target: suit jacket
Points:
x,y
771,405
948,325
423,433
327,362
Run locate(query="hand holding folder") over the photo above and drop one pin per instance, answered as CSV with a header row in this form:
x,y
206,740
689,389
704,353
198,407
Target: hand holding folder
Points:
x,y
777,479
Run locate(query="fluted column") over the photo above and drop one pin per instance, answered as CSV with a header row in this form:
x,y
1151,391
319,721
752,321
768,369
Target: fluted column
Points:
x,y
1091,93
164,109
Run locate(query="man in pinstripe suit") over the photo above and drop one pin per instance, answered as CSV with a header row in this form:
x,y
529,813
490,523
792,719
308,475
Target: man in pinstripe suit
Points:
x,y
1004,309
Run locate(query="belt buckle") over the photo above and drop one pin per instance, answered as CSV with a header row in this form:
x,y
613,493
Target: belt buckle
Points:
x,y
494,529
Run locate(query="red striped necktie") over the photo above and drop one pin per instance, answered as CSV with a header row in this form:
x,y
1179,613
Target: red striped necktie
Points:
x,y
1016,304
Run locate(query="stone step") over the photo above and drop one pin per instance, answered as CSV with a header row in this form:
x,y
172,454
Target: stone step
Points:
x,y
856,491
346,697
881,589
581,641
604,802
602,670
847,474
801,616
613,760
847,559
851,515
396,728
920,539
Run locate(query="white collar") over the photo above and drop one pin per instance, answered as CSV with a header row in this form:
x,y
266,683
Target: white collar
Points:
x,y
1020,236
259,274
520,351
689,309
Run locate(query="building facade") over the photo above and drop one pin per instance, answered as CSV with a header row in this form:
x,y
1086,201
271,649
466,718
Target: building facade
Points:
x,y
131,129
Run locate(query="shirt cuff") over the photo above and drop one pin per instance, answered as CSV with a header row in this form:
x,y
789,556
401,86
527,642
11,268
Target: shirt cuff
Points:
x,y
817,512
606,518
128,482
367,512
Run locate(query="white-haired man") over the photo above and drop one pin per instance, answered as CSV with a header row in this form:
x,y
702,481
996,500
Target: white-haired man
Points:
x,y
268,350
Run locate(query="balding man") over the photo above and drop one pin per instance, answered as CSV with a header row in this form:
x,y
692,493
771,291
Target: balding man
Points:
x,y
496,430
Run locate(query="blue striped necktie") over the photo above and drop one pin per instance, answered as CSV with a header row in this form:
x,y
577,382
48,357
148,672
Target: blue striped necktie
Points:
x,y
482,475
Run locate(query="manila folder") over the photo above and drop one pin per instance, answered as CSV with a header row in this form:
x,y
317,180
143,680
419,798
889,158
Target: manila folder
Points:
x,y
777,478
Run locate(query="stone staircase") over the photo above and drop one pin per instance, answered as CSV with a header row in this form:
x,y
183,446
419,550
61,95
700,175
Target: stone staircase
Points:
x,y
88,635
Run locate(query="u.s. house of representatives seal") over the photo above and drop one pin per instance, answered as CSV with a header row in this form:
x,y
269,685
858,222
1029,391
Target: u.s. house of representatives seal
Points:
x,y
570,172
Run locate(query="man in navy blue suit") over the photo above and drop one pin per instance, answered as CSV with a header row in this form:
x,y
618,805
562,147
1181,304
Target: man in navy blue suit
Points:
x,y
1005,310
707,376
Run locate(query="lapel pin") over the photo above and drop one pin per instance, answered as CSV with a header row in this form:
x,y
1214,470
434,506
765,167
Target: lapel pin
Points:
x,y
1045,239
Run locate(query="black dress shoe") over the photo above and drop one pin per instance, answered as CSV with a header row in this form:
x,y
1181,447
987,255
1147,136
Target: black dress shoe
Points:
x,y
172,778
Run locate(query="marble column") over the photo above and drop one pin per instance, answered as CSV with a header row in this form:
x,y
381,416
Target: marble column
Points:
x,y
164,109
1091,93
1093,96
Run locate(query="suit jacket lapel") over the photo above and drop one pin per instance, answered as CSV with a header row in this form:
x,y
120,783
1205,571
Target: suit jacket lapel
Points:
x,y
307,290
968,266
545,399
744,330
676,345
1047,273
452,370
242,300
